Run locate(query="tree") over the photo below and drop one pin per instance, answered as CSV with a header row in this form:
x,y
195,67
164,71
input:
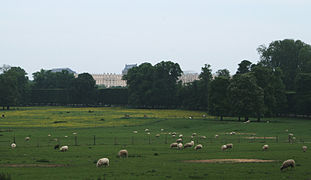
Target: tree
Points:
x,y
246,97
84,89
291,56
13,89
218,97
223,72
205,78
244,67
303,95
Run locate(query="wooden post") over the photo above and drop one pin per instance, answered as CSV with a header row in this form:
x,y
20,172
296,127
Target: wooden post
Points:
x,y
94,140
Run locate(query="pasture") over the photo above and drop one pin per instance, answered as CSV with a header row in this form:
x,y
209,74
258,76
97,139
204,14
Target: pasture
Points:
x,y
93,133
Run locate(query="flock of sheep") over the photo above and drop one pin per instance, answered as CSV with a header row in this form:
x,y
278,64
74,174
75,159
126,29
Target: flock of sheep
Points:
x,y
178,145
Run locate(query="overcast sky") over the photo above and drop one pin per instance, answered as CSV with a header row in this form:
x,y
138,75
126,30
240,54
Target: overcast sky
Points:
x,y
99,36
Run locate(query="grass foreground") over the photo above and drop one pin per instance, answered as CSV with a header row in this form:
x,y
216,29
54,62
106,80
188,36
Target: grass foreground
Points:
x,y
93,133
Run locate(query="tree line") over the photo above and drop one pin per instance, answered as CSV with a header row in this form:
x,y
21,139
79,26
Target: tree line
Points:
x,y
280,83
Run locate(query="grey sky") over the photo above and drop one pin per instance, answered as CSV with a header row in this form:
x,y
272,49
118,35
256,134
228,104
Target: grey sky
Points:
x,y
98,36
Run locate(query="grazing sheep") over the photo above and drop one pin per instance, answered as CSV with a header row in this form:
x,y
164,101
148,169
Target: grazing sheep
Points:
x,y
190,144
13,145
223,147
216,135
148,133
65,136
248,121
27,138
179,140
232,133
290,137
173,145
173,133
162,129
49,135
204,116
203,137
56,146
199,146
102,162
123,153
135,132
64,148
74,133
265,147
288,163
194,134
147,130
157,135
180,145
191,137
304,148
180,136
229,146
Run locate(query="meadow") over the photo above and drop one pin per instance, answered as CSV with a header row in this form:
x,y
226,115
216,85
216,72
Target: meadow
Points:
x,y
93,133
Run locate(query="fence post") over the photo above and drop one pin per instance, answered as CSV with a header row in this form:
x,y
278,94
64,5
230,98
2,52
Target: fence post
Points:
x,y
14,138
94,140
165,138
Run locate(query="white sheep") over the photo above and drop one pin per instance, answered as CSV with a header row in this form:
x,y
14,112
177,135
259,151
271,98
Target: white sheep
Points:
x,y
199,146
194,134
162,129
102,162
135,132
13,145
180,146
189,144
179,140
248,121
27,138
223,147
288,163
173,133
265,147
157,135
180,136
203,137
232,133
173,145
123,153
216,136
229,146
304,148
64,148
146,130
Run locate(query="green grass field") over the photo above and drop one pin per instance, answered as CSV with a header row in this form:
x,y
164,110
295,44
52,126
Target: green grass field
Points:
x,y
150,157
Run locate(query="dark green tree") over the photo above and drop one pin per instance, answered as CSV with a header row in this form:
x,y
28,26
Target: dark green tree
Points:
x,y
84,89
303,95
218,97
223,72
244,67
246,97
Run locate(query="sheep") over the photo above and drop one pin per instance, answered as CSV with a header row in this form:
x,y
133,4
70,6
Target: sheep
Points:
x,y
180,136
288,163
232,133
216,136
162,129
190,144
102,162
64,148
123,153
157,135
148,133
229,146
13,145
49,135
191,137
147,130
27,138
248,121
265,147
74,133
173,133
179,140
290,137
203,137
199,146
223,147
179,145
204,116
173,145
56,146
304,148
135,132
194,134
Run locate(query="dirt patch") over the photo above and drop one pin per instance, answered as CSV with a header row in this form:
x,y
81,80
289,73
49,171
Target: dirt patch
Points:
x,y
230,161
33,165
260,137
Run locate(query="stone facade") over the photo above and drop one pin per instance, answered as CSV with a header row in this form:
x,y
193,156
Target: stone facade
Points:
x,y
113,80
